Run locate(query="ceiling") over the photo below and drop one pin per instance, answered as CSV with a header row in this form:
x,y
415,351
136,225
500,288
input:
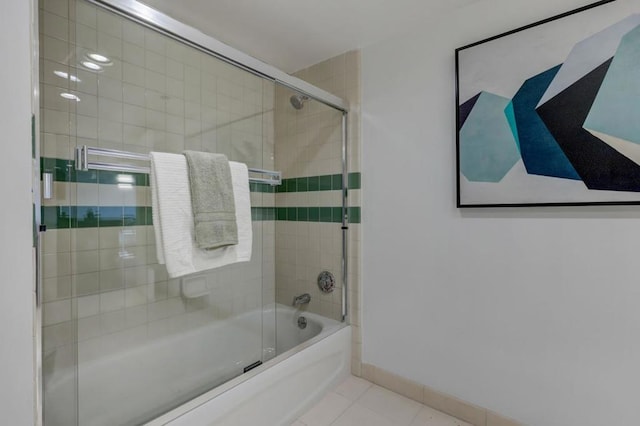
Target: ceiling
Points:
x,y
294,34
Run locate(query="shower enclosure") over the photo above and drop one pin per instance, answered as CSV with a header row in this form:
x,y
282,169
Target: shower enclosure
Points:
x,y
121,342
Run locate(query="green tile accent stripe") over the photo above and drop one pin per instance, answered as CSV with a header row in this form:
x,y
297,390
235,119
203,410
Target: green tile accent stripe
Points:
x,y
354,214
263,213
61,217
354,180
64,217
325,183
261,187
316,214
65,171
314,183
319,183
111,178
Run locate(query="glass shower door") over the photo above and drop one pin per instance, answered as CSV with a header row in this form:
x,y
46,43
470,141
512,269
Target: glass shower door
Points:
x,y
309,240
123,342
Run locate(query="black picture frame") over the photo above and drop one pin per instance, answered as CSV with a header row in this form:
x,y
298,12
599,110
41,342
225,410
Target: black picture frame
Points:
x,y
552,117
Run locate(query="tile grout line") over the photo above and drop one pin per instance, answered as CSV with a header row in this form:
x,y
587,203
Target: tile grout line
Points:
x,y
351,403
417,414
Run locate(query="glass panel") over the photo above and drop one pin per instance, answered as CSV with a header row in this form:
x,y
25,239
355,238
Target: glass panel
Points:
x,y
123,343
59,319
308,234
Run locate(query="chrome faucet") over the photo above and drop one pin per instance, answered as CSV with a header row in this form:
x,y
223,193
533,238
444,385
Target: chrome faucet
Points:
x,y
302,299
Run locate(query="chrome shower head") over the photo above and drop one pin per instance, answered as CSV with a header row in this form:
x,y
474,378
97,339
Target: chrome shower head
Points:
x,y
297,101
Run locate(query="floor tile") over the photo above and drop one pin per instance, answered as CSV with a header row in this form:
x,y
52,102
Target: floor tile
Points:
x,y
326,410
358,402
357,415
429,417
353,388
394,407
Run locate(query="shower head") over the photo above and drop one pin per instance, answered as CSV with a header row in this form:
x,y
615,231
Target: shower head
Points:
x,y
297,101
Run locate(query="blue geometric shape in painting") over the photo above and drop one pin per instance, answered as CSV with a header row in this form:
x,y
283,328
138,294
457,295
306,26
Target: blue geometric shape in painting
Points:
x,y
600,166
615,110
488,148
588,54
511,119
540,152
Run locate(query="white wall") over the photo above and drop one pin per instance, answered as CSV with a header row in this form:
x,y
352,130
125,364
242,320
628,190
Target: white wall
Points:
x,y
531,312
16,278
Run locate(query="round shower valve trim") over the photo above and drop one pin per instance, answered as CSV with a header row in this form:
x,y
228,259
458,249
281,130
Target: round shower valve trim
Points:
x,y
326,282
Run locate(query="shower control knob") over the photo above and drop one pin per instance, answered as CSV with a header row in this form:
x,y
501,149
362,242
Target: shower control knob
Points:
x,y
326,282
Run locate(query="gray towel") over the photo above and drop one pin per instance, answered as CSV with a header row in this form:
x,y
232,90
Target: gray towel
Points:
x,y
214,211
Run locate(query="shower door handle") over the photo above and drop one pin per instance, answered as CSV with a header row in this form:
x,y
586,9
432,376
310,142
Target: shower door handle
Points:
x,y
47,185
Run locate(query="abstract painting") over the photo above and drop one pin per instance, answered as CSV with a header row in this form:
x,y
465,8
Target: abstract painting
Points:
x,y
549,114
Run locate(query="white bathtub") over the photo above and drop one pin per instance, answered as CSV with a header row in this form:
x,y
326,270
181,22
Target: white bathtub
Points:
x,y
279,391
126,378
274,394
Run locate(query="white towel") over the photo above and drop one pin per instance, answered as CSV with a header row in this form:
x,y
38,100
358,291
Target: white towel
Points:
x,y
155,214
173,218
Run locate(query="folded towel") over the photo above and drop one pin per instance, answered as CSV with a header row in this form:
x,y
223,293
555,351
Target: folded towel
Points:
x,y
173,221
214,213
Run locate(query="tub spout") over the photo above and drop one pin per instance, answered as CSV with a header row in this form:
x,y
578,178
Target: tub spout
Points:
x,y
303,299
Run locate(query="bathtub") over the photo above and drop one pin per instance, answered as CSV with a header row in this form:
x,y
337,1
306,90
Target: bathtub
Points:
x,y
279,391
154,373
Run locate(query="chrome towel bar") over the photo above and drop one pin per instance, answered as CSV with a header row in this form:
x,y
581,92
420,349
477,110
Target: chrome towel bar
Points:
x,y
82,163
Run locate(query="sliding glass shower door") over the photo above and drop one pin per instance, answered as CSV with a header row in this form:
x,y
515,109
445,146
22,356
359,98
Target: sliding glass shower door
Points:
x,y
122,342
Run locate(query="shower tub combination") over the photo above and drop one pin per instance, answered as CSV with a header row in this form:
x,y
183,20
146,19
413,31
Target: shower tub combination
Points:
x,y
265,364
158,373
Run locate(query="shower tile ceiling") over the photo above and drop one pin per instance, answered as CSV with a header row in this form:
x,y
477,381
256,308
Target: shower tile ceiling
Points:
x,y
294,34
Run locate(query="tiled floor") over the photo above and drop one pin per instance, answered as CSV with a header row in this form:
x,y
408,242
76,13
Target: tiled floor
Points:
x,y
357,402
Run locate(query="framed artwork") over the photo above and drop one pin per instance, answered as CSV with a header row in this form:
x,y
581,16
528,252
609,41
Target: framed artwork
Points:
x,y
549,114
